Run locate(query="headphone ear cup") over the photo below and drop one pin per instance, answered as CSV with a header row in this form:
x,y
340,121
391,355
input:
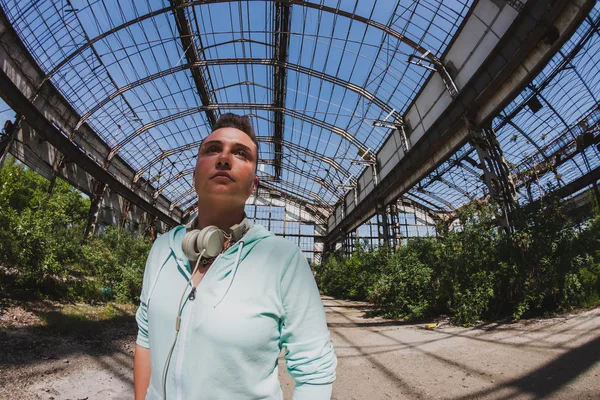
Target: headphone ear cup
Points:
x,y
212,240
189,245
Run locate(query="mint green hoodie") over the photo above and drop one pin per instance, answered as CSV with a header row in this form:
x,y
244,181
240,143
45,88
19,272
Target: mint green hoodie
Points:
x,y
258,297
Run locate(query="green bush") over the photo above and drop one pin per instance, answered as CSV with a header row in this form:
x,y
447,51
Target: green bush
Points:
x,y
551,262
404,287
41,249
118,259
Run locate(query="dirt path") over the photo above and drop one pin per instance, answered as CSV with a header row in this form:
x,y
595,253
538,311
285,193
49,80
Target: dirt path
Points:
x,y
557,358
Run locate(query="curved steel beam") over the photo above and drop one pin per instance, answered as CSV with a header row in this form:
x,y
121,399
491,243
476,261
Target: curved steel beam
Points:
x,y
236,61
418,48
239,106
264,191
299,192
263,139
315,178
201,78
281,39
321,157
189,195
182,198
436,197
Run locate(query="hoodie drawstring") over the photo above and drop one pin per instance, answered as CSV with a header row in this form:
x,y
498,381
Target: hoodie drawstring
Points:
x,y
235,268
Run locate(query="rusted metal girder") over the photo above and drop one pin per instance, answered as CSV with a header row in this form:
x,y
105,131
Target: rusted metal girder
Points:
x,y
238,106
239,61
201,78
282,39
6,140
262,139
95,200
496,173
425,53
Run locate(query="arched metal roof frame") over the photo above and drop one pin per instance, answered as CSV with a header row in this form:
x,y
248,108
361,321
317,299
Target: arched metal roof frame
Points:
x,y
425,53
237,61
262,139
265,191
191,53
295,189
368,22
317,179
181,200
238,106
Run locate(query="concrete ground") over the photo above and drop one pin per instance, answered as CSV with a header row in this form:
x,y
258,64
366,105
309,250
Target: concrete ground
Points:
x,y
557,358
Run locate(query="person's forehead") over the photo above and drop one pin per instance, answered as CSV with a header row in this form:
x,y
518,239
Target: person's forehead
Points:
x,y
229,135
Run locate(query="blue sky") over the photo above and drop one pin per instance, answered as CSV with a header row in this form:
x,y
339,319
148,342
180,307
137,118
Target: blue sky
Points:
x,y
342,48
338,46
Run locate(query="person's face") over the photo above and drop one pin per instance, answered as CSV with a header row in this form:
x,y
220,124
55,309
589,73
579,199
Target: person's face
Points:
x,y
225,168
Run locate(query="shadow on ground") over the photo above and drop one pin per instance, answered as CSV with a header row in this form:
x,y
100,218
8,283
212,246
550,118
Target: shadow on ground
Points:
x,y
566,353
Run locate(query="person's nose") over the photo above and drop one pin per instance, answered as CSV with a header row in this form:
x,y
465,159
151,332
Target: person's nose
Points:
x,y
224,161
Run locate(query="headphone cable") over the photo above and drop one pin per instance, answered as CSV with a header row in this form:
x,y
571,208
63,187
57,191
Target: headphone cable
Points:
x,y
178,325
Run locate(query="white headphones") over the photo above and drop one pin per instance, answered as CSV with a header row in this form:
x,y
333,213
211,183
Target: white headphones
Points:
x,y
209,242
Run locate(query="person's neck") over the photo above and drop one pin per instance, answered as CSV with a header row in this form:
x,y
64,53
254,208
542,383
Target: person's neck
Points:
x,y
222,217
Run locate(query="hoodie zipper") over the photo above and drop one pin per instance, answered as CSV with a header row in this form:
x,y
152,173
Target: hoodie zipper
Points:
x,y
184,329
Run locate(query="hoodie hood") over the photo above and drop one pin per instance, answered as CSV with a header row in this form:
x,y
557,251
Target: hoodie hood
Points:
x,y
223,271
254,235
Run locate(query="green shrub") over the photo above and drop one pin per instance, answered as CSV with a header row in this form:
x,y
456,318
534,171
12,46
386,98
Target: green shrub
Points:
x,y
118,259
551,262
41,249
404,286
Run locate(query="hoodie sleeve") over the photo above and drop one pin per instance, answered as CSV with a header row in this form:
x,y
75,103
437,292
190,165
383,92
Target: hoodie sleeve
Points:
x,y
141,315
309,353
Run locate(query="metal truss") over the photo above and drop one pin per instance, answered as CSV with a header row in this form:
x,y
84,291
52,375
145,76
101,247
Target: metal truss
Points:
x,y
262,139
176,6
236,106
317,179
279,65
201,78
149,117
496,172
281,40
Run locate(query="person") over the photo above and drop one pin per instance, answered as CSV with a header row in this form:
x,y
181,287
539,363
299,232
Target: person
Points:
x,y
212,323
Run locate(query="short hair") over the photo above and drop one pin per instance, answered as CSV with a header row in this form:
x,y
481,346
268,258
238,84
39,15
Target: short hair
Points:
x,y
240,122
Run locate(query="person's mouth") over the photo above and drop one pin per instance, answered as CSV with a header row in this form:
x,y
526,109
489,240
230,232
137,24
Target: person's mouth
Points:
x,y
223,175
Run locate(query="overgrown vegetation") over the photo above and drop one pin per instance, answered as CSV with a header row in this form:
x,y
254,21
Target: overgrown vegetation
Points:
x,y
550,263
42,252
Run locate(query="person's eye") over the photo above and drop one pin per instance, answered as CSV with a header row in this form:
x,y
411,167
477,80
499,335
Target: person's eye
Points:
x,y
241,153
212,149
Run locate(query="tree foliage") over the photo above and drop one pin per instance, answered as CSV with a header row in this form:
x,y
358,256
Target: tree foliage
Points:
x,y
42,253
550,263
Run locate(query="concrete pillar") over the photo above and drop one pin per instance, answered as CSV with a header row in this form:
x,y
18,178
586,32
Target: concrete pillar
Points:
x,y
383,226
394,225
6,140
123,217
96,199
